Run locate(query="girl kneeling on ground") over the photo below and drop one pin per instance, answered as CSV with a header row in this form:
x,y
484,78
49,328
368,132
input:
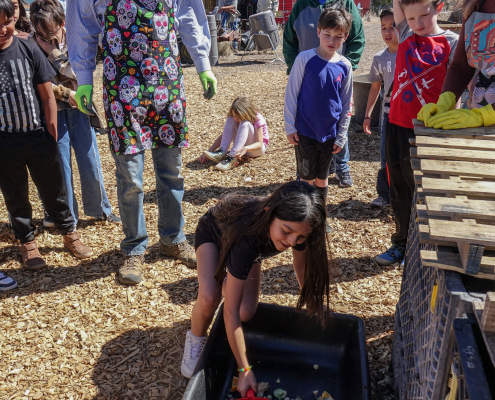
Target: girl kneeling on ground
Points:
x,y
249,131
231,240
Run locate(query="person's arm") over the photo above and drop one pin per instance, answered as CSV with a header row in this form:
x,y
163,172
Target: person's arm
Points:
x,y
460,72
84,19
354,45
291,94
299,264
372,98
231,313
49,107
398,13
290,46
216,144
345,115
275,6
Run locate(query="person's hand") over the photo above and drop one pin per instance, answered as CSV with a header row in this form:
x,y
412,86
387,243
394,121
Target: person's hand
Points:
x,y
47,47
72,99
247,380
293,138
336,149
366,126
202,159
464,118
84,99
241,153
445,102
209,83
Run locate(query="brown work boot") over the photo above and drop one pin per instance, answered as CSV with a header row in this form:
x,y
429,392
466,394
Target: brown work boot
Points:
x,y
182,251
72,242
131,273
31,256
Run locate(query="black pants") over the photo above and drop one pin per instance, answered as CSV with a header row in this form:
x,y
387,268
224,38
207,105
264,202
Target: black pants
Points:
x,y
401,178
38,152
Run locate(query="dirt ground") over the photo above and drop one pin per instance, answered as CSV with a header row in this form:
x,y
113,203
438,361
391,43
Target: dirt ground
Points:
x,y
72,331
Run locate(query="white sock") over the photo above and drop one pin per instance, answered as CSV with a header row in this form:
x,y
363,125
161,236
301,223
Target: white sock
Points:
x,y
195,338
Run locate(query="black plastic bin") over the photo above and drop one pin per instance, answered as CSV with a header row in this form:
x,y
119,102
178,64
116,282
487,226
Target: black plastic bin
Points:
x,y
286,344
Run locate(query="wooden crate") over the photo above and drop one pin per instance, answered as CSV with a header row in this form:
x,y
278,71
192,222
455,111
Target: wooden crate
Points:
x,y
454,172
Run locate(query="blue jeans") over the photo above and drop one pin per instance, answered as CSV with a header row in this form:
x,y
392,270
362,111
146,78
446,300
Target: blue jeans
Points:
x,y
382,186
74,130
169,192
340,161
225,17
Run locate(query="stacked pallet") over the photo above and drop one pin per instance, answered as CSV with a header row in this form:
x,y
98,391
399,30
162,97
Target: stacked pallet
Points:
x,y
454,172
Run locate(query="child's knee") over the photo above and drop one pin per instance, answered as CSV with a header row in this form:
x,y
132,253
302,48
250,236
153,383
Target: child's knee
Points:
x,y
210,301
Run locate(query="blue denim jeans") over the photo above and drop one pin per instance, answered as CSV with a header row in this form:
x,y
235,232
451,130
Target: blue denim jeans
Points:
x,y
382,186
225,17
74,130
340,161
169,192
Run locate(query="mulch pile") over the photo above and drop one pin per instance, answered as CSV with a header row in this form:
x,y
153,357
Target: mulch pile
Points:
x,y
72,331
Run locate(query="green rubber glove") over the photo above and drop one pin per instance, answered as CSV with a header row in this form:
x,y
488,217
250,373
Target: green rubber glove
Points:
x,y
209,83
445,102
84,99
464,118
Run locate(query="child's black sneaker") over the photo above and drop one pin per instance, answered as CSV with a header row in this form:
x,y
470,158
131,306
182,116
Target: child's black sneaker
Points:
x,y
395,254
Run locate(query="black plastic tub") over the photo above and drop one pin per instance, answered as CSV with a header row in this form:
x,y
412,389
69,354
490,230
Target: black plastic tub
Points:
x,y
286,344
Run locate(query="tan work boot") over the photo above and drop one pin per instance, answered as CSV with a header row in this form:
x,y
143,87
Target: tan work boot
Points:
x,y
72,242
182,251
31,256
131,272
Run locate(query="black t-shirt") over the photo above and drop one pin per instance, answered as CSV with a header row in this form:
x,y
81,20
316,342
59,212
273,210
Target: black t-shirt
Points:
x,y
248,251
22,67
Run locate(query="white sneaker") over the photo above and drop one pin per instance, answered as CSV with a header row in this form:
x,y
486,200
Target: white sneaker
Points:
x,y
192,351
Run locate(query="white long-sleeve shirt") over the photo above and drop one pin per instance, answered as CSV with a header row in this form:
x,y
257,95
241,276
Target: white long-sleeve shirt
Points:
x,y
85,24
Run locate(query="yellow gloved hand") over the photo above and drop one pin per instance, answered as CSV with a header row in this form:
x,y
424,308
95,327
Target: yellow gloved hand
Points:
x,y
445,102
464,118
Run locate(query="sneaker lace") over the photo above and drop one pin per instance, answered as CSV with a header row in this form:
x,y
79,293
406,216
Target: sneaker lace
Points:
x,y
228,159
132,264
197,348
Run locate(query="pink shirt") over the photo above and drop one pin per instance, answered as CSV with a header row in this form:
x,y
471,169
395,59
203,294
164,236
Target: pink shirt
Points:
x,y
261,123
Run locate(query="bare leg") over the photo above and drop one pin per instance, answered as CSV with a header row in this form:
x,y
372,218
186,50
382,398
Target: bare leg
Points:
x,y
229,131
210,291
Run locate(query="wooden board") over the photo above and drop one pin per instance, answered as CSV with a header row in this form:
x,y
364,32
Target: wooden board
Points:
x,y
456,168
452,262
442,153
478,188
454,143
488,337
455,207
487,133
462,232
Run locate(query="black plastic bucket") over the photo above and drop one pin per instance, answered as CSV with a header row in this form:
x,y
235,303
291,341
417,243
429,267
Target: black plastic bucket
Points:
x,y
286,344
212,25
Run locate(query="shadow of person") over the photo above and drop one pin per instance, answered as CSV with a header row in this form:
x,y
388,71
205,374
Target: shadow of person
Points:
x,y
142,364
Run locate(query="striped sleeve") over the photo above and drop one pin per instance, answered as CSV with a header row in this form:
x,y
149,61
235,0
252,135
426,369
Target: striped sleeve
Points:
x,y
84,26
193,29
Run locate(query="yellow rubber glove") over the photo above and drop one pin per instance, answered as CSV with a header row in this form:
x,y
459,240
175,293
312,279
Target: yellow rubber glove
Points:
x,y
209,83
84,99
445,102
464,118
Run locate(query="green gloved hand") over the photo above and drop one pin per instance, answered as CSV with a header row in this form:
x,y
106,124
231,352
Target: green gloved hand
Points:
x,y
464,118
84,99
209,83
445,102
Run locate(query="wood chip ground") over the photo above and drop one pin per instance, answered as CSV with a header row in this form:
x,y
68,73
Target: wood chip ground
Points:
x,y
72,331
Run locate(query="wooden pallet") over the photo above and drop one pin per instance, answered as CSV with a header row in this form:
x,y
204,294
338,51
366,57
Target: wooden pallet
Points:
x,y
454,172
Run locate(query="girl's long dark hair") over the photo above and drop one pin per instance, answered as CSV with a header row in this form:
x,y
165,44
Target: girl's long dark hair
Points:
x,y
238,216
23,24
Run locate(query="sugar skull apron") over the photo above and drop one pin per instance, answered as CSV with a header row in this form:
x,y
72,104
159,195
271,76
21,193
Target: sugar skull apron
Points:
x,y
143,86
480,50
